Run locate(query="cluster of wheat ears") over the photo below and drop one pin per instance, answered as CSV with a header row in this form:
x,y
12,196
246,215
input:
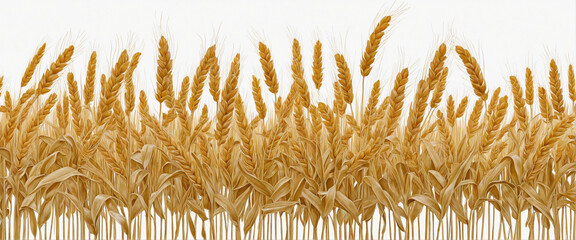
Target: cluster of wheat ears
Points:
x,y
75,167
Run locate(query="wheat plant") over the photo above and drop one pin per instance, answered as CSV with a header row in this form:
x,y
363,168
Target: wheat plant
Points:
x,y
79,164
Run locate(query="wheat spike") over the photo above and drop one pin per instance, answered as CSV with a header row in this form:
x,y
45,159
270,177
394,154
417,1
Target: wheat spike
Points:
x,y
298,73
32,66
12,117
331,122
571,84
164,88
257,95
129,95
494,124
529,87
317,69
473,121
200,77
545,108
416,116
245,132
396,101
368,118
450,111
344,78
461,109
111,89
268,67
35,123
473,69
75,104
556,90
52,72
226,104
519,104
372,46
494,100
549,141
214,83
90,79
435,72
439,89
339,103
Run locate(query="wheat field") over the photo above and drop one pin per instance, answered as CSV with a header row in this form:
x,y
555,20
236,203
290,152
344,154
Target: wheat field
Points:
x,y
82,164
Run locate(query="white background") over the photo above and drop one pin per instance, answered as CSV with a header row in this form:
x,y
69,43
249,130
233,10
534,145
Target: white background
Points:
x,y
506,36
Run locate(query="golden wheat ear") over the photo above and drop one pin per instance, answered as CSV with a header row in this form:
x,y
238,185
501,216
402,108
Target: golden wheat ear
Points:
x,y
474,71
164,88
396,101
75,104
317,66
129,96
372,46
52,72
88,93
200,77
344,78
267,63
32,66
298,74
258,100
556,94
226,104
111,89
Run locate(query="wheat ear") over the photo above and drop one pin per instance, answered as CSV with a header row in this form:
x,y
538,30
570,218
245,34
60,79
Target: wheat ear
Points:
x,y
556,90
268,67
32,66
372,46
474,71
111,89
164,88
90,79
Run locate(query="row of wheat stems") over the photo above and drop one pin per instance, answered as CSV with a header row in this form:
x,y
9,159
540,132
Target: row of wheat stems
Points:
x,y
297,169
